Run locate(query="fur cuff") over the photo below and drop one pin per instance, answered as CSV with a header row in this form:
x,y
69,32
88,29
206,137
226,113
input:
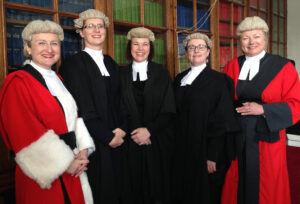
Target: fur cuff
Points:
x,y
45,159
86,189
83,138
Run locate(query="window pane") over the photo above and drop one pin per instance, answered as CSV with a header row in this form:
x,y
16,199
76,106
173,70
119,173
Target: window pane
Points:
x,y
224,29
281,7
153,12
12,14
159,47
274,48
238,13
202,19
263,4
14,45
66,21
71,44
264,16
75,6
281,50
281,29
253,3
275,28
183,63
224,11
225,53
40,3
120,43
253,12
275,6
184,16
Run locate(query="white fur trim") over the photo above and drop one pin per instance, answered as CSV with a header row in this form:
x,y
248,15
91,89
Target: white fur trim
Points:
x,y
86,189
83,138
45,159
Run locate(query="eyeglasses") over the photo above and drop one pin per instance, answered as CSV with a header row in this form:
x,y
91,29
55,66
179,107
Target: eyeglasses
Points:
x,y
199,47
92,26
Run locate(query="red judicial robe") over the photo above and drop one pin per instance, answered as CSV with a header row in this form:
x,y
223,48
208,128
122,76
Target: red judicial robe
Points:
x,y
31,121
259,174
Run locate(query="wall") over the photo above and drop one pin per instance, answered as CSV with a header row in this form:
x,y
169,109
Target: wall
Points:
x,y
293,32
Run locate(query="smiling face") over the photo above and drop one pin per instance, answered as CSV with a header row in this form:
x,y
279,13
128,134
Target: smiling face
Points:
x,y
140,49
198,55
93,33
44,49
253,42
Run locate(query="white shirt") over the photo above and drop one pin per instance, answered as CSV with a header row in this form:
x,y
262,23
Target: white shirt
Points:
x,y
192,75
141,68
97,56
57,89
251,66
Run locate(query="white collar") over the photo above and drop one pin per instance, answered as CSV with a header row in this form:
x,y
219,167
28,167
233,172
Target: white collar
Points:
x,y
44,72
97,56
192,75
251,66
141,68
97,53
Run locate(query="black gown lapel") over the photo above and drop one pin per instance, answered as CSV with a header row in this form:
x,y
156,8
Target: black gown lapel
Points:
x,y
97,81
268,69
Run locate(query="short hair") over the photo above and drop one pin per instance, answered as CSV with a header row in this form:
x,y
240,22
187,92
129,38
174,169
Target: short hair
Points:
x,y
90,14
40,26
252,23
141,32
129,55
197,36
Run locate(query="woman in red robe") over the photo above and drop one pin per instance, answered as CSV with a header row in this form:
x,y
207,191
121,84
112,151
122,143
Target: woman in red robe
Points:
x,y
39,123
267,101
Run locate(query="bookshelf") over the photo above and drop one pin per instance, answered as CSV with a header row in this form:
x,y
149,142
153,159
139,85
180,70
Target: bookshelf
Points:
x,y
135,13
231,12
170,20
192,16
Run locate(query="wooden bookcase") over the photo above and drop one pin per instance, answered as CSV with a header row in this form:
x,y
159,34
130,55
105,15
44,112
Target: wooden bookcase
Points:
x,y
170,30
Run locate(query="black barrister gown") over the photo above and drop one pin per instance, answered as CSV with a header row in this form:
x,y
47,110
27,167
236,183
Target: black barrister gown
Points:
x,y
205,116
98,102
149,104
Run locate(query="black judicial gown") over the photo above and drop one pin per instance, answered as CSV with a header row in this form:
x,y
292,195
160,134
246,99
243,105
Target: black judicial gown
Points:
x,y
205,117
150,104
98,100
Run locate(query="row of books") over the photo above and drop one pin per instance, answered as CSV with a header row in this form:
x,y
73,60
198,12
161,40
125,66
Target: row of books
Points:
x,y
12,14
185,18
127,10
71,44
14,45
120,44
40,3
66,21
75,6
153,13
202,19
159,51
15,56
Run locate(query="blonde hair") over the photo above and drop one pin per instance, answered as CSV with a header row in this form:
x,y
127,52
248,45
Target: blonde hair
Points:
x,y
89,14
252,23
40,26
141,32
197,36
